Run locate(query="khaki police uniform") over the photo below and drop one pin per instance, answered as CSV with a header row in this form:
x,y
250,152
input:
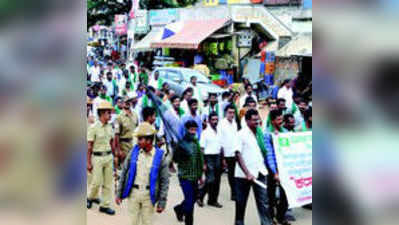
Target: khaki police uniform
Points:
x,y
89,176
125,126
140,206
102,161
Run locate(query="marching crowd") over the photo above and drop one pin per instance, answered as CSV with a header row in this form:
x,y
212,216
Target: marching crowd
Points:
x,y
140,133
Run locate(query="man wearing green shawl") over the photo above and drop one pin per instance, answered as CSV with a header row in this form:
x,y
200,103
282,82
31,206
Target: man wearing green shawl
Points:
x,y
143,76
156,81
103,94
119,105
273,179
132,75
250,168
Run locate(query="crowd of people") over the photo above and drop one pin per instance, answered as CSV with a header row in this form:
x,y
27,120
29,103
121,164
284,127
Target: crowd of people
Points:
x,y
140,133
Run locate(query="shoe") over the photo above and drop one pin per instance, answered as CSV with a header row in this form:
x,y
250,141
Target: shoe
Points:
x,y
216,205
89,204
289,217
179,215
96,200
309,207
200,203
285,222
108,211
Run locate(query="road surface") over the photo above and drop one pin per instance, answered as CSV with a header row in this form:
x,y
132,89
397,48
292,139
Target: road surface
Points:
x,y
203,216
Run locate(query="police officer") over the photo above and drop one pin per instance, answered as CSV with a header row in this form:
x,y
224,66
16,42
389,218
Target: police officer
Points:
x,y
100,158
145,178
125,124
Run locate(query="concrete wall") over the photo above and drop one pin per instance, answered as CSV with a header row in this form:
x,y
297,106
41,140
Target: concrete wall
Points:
x,y
203,13
286,68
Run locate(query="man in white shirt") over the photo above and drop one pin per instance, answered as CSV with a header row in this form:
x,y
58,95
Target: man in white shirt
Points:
x,y
226,99
213,106
95,72
250,104
286,93
108,68
197,94
110,85
229,140
210,145
250,167
107,52
123,50
248,93
122,82
117,72
187,95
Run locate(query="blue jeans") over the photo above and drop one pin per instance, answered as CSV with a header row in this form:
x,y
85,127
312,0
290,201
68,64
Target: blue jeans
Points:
x,y
190,191
243,186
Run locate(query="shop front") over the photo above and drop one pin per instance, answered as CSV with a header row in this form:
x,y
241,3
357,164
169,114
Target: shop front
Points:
x,y
205,45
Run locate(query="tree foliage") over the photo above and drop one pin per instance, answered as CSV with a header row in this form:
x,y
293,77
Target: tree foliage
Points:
x,y
103,11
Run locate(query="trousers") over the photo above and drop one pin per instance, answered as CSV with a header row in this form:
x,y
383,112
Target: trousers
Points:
x,y
140,207
213,176
231,165
190,191
243,186
101,176
278,203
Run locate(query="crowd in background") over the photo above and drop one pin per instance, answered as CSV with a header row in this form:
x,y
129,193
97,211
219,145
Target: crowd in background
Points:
x,y
227,128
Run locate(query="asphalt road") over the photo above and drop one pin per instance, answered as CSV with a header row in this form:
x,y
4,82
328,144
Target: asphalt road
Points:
x,y
203,216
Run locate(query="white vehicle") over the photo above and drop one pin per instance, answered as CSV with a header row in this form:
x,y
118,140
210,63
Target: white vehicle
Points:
x,y
179,79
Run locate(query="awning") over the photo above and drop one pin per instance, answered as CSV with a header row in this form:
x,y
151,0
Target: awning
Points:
x,y
145,44
192,34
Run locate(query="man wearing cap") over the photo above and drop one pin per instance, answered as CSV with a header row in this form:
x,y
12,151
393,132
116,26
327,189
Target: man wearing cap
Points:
x,y
144,181
125,124
100,158
102,95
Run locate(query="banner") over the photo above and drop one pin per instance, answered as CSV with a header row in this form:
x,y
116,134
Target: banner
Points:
x,y
141,22
294,161
282,2
163,16
121,24
130,39
133,10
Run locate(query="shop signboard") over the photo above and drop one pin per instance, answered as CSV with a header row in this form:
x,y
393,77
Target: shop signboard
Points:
x,y
245,39
211,2
307,4
141,20
163,16
133,10
224,2
121,24
282,2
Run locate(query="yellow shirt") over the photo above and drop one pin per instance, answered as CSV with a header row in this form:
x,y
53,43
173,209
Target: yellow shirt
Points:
x,y
125,124
144,164
101,135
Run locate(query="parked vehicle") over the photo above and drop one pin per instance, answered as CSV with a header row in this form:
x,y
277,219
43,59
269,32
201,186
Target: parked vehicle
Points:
x,y
179,79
